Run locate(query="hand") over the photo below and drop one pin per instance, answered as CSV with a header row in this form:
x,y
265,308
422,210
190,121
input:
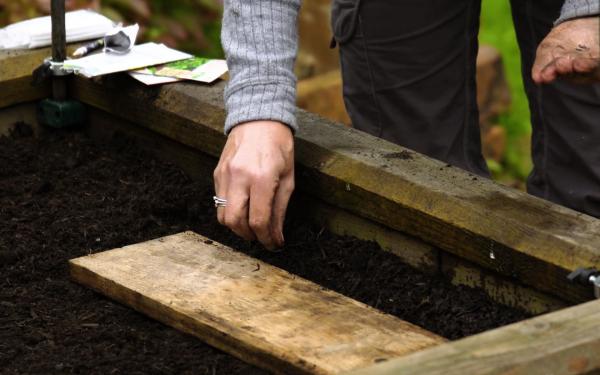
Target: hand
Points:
x,y
570,50
256,176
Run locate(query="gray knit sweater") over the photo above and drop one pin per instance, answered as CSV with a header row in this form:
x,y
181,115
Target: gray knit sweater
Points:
x,y
260,40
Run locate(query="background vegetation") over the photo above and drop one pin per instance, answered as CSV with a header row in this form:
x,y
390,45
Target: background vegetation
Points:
x,y
497,30
193,26
190,25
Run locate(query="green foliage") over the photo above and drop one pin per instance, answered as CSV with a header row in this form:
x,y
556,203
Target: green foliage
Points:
x,y
497,30
189,25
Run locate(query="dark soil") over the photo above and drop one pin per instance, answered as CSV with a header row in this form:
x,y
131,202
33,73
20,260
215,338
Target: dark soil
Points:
x,y
64,197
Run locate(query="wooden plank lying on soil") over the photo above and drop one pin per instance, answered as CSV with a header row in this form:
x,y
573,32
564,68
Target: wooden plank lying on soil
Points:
x,y
565,342
493,226
248,308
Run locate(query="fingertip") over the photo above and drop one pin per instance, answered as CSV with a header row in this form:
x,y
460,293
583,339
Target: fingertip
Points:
x,y
548,75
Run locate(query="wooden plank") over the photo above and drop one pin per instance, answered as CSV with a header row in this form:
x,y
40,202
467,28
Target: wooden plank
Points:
x,y
21,63
501,289
248,308
20,90
16,68
564,342
532,240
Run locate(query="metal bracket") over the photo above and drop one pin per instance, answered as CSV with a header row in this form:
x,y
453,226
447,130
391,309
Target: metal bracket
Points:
x,y
587,276
58,68
596,281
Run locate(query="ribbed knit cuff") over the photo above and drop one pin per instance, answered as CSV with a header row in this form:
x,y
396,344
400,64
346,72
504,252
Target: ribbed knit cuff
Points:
x,y
263,101
578,8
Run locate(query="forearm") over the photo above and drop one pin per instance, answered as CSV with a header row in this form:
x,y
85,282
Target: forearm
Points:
x,y
260,40
578,8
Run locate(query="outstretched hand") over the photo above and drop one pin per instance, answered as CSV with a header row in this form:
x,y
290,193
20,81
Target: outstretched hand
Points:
x,y
256,176
571,50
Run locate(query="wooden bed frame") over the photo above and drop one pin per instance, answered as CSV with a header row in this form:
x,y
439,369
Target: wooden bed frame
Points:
x,y
516,247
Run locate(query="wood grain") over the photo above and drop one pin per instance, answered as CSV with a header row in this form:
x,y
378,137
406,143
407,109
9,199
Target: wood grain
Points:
x,y
248,308
566,342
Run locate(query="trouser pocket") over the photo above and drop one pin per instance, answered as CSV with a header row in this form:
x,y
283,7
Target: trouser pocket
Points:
x,y
344,19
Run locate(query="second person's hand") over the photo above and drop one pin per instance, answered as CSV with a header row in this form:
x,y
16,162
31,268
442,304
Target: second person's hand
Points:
x,y
571,50
256,176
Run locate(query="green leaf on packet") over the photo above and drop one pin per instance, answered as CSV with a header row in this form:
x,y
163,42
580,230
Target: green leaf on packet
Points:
x,y
196,69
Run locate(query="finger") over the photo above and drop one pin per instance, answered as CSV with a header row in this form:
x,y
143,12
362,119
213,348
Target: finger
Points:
x,y
564,65
280,205
586,65
262,194
548,74
235,214
543,58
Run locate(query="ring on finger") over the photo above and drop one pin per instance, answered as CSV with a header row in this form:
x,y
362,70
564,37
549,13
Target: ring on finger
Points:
x,y
220,202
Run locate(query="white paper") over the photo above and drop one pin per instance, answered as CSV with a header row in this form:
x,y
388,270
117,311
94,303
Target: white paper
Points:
x,y
140,56
210,71
37,32
151,80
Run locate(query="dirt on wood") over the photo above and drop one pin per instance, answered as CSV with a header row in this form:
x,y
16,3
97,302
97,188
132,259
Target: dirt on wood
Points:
x,y
62,197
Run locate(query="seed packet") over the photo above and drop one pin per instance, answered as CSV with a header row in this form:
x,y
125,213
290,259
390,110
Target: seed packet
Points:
x,y
195,69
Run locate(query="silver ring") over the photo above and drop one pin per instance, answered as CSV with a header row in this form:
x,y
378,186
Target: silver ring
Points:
x,y
220,202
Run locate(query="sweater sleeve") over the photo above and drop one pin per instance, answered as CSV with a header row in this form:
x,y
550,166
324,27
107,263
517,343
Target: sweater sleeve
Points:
x,y
578,8
260,40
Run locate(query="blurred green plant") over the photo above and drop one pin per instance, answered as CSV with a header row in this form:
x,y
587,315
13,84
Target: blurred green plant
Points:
x,y
189,25
497,30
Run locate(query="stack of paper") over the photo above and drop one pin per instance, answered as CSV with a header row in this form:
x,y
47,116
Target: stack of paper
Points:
x,y
140,56
37,32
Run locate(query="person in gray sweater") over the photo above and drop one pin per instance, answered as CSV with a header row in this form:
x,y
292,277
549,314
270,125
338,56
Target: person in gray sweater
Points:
x,y
409,77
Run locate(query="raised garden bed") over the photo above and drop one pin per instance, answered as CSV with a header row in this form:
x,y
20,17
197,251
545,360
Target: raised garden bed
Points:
x,y
63,196
450,225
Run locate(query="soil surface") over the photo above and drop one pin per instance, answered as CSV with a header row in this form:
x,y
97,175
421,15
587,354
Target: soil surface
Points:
x,y
63,197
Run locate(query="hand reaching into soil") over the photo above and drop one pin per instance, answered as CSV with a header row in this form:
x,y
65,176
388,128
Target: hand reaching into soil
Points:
x,y
256,176
571,50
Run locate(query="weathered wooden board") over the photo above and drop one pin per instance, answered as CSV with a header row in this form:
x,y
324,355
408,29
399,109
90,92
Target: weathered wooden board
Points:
x,y
566,342
248,308
16,68
19,91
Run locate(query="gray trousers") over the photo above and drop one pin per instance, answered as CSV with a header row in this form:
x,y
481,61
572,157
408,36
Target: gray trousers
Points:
x,y
409,77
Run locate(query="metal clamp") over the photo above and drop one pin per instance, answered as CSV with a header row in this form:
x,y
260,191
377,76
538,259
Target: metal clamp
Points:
x,y
58,68
586,276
